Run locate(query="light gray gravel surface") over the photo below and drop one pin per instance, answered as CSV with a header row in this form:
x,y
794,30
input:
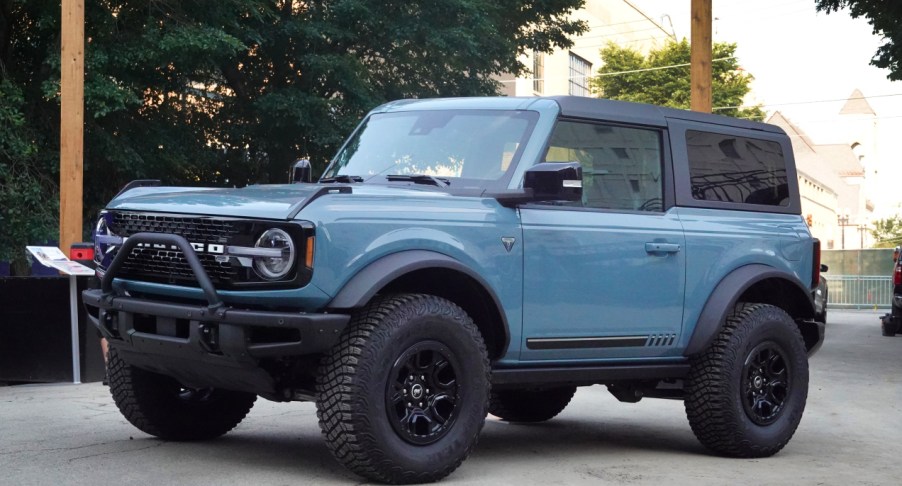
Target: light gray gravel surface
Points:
x,y
851,434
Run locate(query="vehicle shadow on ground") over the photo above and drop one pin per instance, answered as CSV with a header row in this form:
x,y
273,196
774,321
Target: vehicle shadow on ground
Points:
x,y
563,436
265,453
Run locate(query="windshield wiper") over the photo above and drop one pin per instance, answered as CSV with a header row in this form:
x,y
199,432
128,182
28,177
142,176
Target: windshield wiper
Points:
x,y
341,178
420,179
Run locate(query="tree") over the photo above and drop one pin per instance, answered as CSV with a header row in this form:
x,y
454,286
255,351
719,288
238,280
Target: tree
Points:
x,y
231,92
630,76
884,17
887,233
27,214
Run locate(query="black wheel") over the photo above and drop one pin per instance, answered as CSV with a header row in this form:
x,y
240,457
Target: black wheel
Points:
x,y
888,326
403,396
746,393
160,406
530,405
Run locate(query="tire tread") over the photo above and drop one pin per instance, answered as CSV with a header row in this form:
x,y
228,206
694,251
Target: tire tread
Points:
x,y
144,399
708,389
530,406
340,399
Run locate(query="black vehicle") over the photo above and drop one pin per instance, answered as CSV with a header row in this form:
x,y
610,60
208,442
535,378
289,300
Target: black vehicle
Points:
x,y
891,322
820,297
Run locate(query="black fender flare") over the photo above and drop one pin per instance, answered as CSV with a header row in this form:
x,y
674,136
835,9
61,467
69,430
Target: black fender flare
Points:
x,y
722,301
375,276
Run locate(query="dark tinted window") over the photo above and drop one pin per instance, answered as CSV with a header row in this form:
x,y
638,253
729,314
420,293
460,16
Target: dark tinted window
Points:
x,y
621,165
736,169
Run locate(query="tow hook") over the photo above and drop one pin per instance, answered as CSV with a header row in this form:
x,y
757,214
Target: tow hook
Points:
x,y
209,337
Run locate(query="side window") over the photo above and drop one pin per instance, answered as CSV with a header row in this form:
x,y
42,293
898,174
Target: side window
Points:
x,y
621,165
736,169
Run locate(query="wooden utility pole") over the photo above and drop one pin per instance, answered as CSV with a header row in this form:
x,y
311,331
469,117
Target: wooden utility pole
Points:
x,y
72,115
700,56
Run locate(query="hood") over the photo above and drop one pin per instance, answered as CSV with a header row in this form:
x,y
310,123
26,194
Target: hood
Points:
x,y
282,201
258,202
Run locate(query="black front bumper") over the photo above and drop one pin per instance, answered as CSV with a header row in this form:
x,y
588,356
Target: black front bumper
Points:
x,y
212,345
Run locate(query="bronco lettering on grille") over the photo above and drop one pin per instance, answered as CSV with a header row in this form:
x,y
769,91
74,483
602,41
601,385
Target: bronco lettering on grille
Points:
x,y
198,247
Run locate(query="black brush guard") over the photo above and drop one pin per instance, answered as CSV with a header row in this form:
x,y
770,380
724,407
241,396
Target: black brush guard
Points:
x,y
202,345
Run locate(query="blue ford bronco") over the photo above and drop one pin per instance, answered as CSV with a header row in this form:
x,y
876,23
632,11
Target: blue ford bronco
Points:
x,y
460,257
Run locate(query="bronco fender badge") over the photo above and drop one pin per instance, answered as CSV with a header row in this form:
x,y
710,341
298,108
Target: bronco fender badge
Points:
x,y
508,242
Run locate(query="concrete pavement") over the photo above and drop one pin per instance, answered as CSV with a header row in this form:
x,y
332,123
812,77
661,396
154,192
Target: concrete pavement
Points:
x,y
850,434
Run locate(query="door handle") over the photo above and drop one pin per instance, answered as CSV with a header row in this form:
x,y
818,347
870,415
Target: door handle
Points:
x,y
662,247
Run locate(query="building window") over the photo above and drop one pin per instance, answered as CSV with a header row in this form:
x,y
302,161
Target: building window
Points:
x,y
579,75
538,72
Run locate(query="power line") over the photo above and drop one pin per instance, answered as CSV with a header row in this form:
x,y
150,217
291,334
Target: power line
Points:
x,y
615,34
618,72
808,102
623,42
657,68
617,23
833,120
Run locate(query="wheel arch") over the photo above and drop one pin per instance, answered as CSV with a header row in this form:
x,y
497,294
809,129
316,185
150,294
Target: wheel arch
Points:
x,y
755,283
422,271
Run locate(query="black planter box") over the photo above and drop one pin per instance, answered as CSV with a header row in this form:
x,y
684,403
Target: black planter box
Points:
x,y
35,333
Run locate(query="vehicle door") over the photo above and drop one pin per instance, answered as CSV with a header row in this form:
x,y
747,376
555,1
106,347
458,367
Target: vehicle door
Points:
x,y
604,278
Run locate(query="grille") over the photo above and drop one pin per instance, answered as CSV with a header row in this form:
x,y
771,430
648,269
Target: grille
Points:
x,y
195,230
167,264
171,266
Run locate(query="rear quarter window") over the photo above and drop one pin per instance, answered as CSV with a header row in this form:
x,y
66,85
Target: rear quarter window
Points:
x,y
736,169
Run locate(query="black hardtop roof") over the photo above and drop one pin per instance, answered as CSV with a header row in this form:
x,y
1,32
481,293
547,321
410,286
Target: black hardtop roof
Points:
x,y
644,114
579,107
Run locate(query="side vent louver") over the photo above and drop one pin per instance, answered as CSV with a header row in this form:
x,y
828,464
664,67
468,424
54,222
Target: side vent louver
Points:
x,y
655,340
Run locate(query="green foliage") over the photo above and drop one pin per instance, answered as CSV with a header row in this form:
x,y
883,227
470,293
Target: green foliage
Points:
x,y
231,92
887,233
884,17
649,83
26,214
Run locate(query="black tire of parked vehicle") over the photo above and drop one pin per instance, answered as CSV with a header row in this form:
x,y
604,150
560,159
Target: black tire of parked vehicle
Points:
x,y
888,326
403,395
530,405
160,406
746,393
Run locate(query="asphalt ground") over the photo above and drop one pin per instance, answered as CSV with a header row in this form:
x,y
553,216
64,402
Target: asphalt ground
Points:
x,y
850,434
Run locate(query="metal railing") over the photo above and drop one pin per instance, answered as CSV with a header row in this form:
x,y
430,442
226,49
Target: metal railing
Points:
x,y
859,291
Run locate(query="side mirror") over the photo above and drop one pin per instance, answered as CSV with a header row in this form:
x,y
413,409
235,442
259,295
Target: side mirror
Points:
x,y
824,268
301,171
555,181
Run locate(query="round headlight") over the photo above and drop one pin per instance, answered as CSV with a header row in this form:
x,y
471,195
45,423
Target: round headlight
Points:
x,y
100,229
275,267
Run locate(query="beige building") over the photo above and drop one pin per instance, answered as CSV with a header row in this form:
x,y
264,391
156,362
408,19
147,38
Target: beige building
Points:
x,y
567,71
831,185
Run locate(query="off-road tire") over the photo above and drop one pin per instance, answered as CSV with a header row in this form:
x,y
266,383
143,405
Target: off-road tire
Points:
x,y
743,367
362,382
530,404
160,406
889,326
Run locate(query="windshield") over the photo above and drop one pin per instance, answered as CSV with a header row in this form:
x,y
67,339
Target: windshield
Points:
x,y
452,146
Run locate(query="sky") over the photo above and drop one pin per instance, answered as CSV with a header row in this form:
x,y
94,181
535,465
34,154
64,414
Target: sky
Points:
x,y
800,58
